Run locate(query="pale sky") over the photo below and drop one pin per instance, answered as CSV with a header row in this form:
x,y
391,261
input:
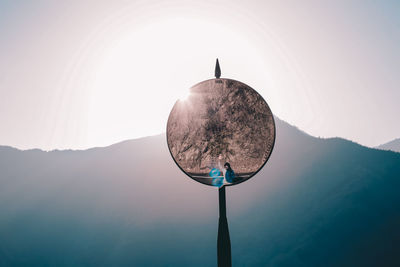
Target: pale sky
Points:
x,y
78,74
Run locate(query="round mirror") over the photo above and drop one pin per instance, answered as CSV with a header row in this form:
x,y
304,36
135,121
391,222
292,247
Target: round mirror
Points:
x,y
222,133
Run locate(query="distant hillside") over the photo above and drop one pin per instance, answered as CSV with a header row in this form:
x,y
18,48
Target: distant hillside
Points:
x,y
392,145
317,202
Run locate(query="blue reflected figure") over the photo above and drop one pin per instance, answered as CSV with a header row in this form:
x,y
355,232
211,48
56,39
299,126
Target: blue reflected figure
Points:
x,y
215,172
217,180
229,174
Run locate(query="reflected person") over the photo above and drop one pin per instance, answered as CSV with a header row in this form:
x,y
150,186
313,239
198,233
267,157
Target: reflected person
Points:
x,y
229,174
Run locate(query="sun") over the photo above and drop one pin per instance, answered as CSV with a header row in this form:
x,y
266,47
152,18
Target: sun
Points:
x,y
143,71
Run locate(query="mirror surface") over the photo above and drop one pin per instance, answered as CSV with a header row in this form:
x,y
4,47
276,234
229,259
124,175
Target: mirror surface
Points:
x,y
222,133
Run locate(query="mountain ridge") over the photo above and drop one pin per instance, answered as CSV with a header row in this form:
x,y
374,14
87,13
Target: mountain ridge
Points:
x,y
317,202
393,145
163,134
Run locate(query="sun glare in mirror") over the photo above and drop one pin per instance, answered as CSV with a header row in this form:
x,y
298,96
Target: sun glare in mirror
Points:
x,y
184,95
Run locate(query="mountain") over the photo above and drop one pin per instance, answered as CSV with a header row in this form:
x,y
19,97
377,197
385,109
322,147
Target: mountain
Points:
x,y
393,145
317,202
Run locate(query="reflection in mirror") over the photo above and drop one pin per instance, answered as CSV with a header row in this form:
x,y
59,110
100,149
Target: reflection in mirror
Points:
x,y
222,133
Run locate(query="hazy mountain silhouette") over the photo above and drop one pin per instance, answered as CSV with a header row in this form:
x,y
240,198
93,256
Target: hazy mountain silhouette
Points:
x,y
393,145
317,202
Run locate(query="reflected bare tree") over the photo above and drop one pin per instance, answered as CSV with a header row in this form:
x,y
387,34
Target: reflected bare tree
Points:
x,y
222,120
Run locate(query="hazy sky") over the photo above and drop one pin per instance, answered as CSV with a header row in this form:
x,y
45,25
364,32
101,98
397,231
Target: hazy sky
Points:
x,y
77,74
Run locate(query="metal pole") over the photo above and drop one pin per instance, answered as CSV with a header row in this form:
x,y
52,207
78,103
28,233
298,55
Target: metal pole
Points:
x,y
224,242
